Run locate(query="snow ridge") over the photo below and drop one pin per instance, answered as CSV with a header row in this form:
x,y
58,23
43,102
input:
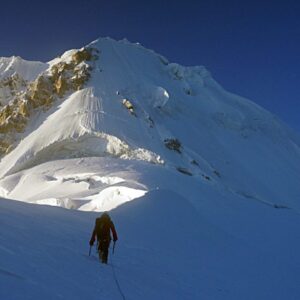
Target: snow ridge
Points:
x,y
139,108
202,185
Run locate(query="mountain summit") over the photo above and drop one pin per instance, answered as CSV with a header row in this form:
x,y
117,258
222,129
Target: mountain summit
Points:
x,y
214,179
107,123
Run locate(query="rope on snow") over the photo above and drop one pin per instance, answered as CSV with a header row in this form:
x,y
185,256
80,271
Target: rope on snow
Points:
x,y
116,280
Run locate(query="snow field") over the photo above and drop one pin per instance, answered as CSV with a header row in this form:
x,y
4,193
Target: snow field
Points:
x,y
166,250
203,187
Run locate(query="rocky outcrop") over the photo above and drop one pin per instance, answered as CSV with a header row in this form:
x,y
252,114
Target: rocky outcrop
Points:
x,y
62,78
173,144
10,87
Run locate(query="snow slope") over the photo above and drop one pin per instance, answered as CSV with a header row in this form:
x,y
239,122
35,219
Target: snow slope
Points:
x,y
28,70
166,250
203,186
225,139
15,74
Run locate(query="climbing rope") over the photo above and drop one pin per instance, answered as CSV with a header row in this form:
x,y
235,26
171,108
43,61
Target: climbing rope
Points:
x,y
116,279
114,273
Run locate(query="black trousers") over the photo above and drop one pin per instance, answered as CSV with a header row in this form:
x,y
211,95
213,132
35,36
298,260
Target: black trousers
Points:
x,y
103,250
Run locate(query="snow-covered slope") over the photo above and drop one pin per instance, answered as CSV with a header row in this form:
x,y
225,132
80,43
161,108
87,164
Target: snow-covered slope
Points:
x,y
180,120
166,250
15,74
29,70
215,178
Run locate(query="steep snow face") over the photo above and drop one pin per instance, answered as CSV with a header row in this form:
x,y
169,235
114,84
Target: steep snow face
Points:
x,y
78,135
41,94
138,107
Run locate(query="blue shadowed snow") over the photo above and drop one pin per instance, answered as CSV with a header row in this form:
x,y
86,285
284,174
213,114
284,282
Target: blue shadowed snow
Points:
x,y
166,250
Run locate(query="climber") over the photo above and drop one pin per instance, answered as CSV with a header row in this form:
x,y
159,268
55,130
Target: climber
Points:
x,y
102,229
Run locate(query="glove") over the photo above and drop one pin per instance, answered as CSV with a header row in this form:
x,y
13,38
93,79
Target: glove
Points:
x,y
91,243
115,240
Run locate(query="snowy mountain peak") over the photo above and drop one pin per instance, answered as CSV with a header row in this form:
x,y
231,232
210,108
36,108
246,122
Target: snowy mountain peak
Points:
x,y
15,74
28,70
214,179
39,94
130,112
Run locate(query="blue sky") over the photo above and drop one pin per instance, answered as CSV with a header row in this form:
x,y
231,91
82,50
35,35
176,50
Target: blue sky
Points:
x,y
251,47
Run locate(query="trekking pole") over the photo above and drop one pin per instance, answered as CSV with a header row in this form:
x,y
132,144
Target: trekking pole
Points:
x,y
114,247
90,250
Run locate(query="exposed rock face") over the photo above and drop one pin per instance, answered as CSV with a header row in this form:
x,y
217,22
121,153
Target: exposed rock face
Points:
x,y
82,55
10,87
173,144
54,83
40,92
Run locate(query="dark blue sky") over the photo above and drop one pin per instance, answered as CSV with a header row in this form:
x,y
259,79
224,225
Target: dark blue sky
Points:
x,y
251,47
